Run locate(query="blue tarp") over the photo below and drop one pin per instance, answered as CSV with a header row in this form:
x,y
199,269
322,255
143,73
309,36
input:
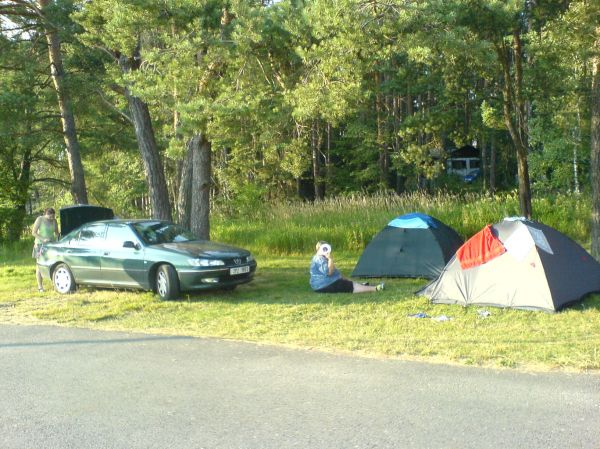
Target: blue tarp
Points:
x,y
414,221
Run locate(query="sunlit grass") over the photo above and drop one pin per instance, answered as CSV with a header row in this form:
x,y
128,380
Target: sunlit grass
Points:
x,y
279,308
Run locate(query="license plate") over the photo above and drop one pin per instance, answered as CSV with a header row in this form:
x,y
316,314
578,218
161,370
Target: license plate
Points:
x,y
239,270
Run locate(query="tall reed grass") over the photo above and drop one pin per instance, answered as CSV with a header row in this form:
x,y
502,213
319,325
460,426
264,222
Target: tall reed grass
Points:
x,y
350,222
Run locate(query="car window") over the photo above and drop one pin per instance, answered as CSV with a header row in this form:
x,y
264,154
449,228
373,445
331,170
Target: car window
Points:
x,y
156,232
71,238
92,235
458,164
117,234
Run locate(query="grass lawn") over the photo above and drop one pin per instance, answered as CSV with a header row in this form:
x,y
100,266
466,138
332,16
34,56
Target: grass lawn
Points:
x,y
279,308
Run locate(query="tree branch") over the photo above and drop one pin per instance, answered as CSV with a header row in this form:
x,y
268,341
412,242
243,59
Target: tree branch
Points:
x,y
52,180
113,107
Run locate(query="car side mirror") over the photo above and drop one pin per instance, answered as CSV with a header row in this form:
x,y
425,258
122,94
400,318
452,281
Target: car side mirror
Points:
x,y
130,244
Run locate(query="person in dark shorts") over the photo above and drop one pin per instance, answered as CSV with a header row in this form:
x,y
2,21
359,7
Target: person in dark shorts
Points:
x,y
325,277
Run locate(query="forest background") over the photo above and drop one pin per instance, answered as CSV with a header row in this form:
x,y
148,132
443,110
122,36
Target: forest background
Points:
x,y
176,108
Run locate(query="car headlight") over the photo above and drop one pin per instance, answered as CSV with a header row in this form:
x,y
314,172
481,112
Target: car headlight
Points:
x,y
206,262
250,258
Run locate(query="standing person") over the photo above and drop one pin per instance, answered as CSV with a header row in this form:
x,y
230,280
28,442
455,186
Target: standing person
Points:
x,y
325,277
45,229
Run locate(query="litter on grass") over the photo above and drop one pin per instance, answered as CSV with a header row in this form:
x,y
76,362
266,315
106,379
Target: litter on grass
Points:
x,y
434,318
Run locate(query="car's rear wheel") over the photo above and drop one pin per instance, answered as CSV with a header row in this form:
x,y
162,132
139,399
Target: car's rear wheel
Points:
x,y
167,282
63,279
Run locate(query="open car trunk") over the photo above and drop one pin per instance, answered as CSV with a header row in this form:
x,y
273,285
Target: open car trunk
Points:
x,y
72,217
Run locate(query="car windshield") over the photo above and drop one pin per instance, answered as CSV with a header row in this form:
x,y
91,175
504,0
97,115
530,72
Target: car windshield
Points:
x,y
156,232
70,236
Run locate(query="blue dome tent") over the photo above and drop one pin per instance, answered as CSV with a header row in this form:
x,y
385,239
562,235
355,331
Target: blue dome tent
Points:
x,y
411,245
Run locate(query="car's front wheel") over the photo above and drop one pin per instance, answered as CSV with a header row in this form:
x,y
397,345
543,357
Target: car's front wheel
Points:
x,y
167,282
63,279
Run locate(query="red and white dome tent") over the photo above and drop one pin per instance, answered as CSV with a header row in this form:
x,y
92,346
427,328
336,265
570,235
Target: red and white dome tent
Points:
x,y
517,263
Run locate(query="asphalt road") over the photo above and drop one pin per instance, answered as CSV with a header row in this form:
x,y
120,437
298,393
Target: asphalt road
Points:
x,y
77,388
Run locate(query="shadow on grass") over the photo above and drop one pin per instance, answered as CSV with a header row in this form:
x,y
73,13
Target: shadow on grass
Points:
x,y
286,282
591,301
289,286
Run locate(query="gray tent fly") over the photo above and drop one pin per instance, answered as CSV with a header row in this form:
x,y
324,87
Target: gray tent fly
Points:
x,y
520,264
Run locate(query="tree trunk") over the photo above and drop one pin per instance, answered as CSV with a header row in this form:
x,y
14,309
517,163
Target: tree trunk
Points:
x,y
397,111
201,161
484,166
595,153
522,143
14,227
576,147
493,165
78,188
384,158
184,203
153,166
513,111
328,153
317,162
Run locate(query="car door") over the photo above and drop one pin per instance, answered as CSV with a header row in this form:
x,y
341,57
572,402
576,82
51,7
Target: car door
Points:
x,y
83,256
123,261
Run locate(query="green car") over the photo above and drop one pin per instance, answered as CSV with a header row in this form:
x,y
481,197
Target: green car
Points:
x,y
144,254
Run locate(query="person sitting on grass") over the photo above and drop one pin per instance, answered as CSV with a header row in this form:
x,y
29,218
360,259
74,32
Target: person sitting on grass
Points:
x,y
325,277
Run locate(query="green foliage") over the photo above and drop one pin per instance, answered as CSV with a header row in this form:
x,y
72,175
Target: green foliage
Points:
x,y
560,129
117,181
27,150
248,202
491,116
374,91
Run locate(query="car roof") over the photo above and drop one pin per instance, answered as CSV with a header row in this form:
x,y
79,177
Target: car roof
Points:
x,y
129,221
